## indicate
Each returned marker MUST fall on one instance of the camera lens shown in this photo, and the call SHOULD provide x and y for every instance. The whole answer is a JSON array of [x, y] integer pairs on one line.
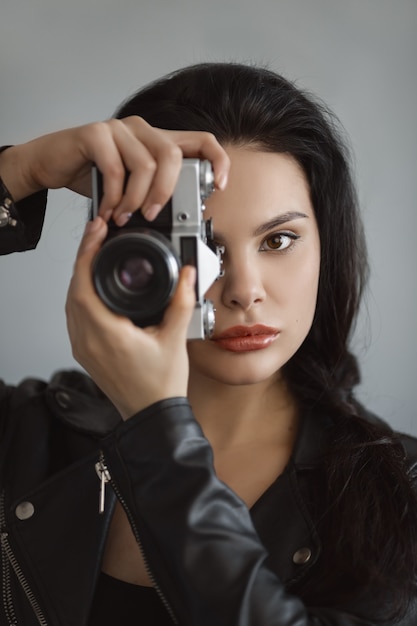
[[136, 273]]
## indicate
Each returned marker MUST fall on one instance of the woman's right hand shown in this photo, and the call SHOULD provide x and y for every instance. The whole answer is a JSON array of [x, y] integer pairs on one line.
[[135, 367], [151, 155]]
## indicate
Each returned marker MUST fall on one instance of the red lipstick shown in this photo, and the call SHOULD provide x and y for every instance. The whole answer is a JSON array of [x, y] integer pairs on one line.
[[246, 338]]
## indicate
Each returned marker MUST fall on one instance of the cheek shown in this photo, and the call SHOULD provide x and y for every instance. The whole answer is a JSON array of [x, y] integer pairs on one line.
[[305, 279], [295, 288], [304, 303]]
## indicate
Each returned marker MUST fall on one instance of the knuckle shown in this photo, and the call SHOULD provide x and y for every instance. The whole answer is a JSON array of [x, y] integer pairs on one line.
[[98, 129], [149, 165], [106, 129], [115, 170], [209, 139], [172, 152], [116, 127], [135, 122], [113, 123], [135, 119]]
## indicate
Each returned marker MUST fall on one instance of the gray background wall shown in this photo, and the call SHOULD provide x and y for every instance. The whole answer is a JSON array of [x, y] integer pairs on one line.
[[64, 64]]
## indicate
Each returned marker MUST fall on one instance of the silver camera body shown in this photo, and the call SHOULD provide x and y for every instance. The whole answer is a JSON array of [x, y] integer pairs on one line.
[[137, 269]]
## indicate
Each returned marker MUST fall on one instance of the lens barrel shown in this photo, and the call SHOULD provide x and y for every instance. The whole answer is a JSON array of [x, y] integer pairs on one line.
[[136, 273]]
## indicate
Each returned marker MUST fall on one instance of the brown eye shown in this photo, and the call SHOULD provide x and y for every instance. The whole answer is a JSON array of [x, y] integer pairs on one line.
[[278, 241]]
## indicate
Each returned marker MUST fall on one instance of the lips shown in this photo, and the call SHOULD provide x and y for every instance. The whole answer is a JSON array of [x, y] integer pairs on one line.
[[246, 338]]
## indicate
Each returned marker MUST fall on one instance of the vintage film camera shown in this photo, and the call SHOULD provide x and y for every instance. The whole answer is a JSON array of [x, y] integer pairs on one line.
[[137, 269]]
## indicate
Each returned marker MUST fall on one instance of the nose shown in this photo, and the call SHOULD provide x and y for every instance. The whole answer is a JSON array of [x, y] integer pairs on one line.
[[242, 285]]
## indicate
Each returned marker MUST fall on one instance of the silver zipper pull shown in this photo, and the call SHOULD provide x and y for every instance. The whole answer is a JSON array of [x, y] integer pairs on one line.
[[104, 476]]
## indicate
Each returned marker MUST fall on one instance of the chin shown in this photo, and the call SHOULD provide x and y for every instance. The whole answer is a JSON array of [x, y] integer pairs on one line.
[[248, 368]]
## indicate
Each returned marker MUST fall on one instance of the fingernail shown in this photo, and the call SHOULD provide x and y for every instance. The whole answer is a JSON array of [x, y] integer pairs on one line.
[[123, 219], [152, 211]]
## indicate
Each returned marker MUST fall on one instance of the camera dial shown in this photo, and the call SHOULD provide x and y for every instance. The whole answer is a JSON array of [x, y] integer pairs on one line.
[[206, 179]]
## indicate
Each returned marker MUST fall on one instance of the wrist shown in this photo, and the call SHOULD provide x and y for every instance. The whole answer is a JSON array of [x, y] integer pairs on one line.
[[12, 172], [128, 409], [169, 405]]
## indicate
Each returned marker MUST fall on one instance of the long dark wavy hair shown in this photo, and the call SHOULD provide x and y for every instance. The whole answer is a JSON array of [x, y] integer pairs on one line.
[[370, 525]]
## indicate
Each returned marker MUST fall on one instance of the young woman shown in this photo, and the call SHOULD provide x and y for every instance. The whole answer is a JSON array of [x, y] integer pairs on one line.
[[240, 481]]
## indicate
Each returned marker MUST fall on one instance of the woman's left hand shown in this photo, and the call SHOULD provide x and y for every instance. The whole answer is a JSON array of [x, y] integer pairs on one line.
[[134, 367]]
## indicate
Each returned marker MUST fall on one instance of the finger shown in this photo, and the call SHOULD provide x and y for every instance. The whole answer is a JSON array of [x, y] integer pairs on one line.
[[164, 165], [169, 159], [178, 315], [140, 165], [81, 286], [199, 144], [82, 301], [80, 289], [150, 185], [153, 157], [114, 150], [205, 146], [94, 235], [98, 146]]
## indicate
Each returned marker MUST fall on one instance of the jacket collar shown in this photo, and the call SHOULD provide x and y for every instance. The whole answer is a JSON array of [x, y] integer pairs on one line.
[[283, 509], [76, 400], [312, 440]]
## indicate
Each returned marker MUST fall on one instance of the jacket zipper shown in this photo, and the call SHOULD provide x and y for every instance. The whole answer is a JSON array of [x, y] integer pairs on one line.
[[8, 559], [105, 477]]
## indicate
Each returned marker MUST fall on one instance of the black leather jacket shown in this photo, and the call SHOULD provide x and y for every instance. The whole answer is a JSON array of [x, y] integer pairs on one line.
[[214, 563], [197, 535]]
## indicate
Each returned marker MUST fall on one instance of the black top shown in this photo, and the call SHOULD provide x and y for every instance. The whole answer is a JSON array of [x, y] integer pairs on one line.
[[117, 602]]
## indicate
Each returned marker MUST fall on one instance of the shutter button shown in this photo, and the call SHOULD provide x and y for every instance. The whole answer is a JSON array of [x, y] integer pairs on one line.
[[302, 556], [24, 510], [63, 399]]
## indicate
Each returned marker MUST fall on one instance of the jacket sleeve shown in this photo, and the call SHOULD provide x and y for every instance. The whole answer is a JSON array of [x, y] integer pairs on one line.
[[20, 223], [196, 534], [20, 229], [29, 216]]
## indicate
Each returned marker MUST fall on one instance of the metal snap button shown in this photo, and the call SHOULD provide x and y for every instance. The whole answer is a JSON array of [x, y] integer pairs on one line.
[[63, 399], [302, 556], [24, 510]]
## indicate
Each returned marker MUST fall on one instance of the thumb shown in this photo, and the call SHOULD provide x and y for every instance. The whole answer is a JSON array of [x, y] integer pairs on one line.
[[178, 314], [94, 235]]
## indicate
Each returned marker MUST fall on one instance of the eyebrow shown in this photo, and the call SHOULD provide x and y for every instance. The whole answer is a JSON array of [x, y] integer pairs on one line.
[[278, 221], [272, 223]]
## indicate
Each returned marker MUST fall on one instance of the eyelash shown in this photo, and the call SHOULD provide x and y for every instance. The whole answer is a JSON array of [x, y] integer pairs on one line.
[[292, 237]]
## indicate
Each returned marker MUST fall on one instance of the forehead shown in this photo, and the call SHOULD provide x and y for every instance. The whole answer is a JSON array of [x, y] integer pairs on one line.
[[261, 186]]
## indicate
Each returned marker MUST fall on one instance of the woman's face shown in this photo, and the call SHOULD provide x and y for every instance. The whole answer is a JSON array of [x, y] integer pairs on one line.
[[265, 301]]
